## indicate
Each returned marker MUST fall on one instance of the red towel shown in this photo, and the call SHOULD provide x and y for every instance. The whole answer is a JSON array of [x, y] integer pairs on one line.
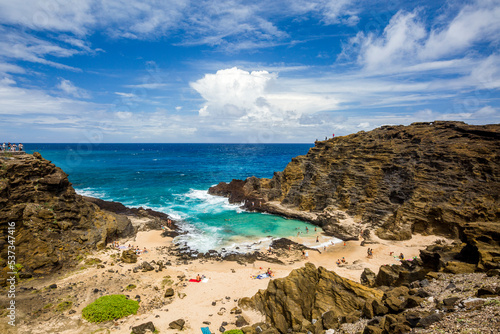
[[193, 280]]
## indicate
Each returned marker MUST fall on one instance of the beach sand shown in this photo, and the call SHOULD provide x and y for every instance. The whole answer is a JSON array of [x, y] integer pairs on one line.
[[193, 302]]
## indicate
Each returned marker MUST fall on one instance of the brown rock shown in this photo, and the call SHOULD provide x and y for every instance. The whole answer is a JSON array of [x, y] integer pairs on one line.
[[177, 324], [129, 256], [308, 293]]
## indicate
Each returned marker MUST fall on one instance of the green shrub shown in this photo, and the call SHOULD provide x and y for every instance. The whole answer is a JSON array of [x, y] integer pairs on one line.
[[234, 331], [64, 306], [110, 307]]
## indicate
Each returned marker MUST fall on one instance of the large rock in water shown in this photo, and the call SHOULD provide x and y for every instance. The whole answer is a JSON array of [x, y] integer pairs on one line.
[[52, 223], [429, 178], [299, 301]]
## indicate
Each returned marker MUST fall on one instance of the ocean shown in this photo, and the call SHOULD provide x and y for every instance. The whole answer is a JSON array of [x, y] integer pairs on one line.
[[174, 179]]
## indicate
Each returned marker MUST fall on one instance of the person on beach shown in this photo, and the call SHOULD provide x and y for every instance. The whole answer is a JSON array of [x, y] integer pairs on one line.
[[307, 230], [269, 272], [343, 259], [198, 278], [344, 244], [145, 250], [317, 239], [401, 256], [338, 262]]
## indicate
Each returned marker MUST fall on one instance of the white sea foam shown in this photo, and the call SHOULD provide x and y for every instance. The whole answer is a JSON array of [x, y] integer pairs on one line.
[[202, 202], [89, 192]]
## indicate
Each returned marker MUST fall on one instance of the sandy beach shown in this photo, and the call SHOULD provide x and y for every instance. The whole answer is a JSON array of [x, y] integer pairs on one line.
[[201, 304]]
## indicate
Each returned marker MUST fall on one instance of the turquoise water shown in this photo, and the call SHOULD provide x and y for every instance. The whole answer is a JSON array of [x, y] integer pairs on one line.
[[174, 179]]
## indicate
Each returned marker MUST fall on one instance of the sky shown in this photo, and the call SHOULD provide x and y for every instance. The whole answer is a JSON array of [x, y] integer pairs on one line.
[[231, 71]]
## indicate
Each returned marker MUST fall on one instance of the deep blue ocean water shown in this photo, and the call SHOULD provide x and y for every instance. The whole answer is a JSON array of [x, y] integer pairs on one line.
[[174, 179]]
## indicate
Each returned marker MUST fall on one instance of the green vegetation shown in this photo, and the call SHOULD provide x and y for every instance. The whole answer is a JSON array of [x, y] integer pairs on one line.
[[64, 306], [130, 287], [49, 305], [234, 331], [167, 281], [110, 307], [92, 261], [492, 302]]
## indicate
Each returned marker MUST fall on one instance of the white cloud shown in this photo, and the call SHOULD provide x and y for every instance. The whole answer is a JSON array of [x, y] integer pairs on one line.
[[70, 89], [256, 96], [407, 41], [19, 101], [148, 85], [21, 46]]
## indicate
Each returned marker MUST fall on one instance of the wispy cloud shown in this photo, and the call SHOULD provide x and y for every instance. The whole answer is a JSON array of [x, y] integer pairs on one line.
[[70, 89]]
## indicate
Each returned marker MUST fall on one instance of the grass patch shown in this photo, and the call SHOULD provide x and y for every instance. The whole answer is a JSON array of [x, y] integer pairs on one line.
[[49, 305], [110, 307], [130, 287], [64, 306], [92, 261], [492, 302], [167, 281], [234, 331]]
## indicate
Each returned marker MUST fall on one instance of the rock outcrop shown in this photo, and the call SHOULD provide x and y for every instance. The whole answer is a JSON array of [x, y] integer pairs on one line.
[[310, 299], [432, 178], [53, 224]]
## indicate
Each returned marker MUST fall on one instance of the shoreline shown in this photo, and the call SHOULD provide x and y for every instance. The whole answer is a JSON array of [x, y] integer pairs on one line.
[[192, 302]]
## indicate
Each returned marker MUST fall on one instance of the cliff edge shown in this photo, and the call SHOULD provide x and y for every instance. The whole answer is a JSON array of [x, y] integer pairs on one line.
[[51, 225], [431, 178]]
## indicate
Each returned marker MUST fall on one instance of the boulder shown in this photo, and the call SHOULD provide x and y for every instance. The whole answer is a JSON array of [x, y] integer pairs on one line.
[[146, 266], [429, 320], [169, 293], [129, 256], [177, 324], [241, 321], [368, 277], [142, 329]]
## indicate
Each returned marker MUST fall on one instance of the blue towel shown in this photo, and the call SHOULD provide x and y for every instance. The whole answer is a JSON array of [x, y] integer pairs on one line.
[[205, 330]]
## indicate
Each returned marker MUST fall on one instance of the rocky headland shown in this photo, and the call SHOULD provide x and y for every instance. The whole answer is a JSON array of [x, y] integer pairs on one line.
[[438, 178], [53, 225]]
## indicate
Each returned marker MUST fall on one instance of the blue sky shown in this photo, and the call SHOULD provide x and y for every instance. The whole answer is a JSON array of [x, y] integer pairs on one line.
[[242, 71]]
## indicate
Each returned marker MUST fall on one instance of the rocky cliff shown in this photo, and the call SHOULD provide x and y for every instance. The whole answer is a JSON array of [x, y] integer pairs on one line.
[[310, 299], [53, 224], [431, 178]]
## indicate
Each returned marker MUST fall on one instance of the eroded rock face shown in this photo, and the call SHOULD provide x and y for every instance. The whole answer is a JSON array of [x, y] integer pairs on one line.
[[299, 301], [427, 178], [52, 223]]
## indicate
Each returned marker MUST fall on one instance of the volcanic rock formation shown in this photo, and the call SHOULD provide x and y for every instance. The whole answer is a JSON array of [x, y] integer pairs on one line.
[[431, 178], [52, 224]]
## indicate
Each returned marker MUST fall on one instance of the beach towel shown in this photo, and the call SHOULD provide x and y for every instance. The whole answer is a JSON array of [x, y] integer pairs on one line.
[[205, 280], [194, 280], [261, 276], [123, 247], [205, 330]]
